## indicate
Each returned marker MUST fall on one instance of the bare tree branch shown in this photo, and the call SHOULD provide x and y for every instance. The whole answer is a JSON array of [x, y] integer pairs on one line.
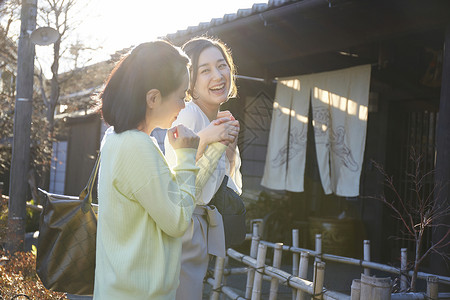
[[418, 212], [40, 77]]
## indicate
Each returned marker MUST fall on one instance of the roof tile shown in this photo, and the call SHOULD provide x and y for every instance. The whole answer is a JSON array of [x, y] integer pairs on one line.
[[241, 13]]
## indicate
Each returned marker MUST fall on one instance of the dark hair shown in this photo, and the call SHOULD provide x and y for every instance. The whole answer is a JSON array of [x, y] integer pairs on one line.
[[154, 65], [195, 47]]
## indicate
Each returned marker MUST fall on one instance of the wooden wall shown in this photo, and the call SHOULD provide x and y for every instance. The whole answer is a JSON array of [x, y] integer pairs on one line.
[[253, 109]]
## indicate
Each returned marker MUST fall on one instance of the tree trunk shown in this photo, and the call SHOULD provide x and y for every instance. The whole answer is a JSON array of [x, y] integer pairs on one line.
[[416, 264]]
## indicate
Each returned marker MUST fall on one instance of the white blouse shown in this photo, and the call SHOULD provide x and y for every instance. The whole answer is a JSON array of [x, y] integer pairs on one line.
[[195, 119]]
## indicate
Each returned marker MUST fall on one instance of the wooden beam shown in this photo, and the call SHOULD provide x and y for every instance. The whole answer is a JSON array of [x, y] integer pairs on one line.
[[443, 159]]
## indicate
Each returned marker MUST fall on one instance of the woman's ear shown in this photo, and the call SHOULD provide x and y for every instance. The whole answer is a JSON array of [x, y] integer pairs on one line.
[[194, 94], [152, 98]]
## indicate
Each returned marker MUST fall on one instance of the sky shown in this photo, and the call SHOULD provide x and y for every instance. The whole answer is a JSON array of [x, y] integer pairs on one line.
[[115, 24]]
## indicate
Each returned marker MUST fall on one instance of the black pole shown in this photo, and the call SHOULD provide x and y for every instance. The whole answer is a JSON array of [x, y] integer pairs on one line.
[[442, 176], [22, 129]]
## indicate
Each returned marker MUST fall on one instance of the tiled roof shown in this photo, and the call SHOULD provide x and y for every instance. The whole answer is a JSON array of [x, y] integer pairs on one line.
[[227, 18]]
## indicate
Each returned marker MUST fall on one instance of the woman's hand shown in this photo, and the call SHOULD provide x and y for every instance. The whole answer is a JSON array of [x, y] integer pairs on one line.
[[182, 137], [222, 130], [237, 129], [225, 114]]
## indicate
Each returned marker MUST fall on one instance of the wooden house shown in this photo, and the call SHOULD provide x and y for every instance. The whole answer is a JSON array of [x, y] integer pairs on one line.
[[409, 98]]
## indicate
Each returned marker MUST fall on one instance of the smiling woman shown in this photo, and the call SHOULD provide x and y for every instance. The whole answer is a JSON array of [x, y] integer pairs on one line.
[[212, 83]]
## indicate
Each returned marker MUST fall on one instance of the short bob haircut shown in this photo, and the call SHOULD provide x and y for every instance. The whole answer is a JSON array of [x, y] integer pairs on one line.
[[195, 47], [154, 65]]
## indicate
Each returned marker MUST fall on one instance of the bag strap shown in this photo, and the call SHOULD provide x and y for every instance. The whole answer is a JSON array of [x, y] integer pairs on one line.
[[224, 182], [222, 186], [86, 193]]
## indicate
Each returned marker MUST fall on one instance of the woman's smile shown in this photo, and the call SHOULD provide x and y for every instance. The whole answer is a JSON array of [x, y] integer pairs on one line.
[[218, 89]]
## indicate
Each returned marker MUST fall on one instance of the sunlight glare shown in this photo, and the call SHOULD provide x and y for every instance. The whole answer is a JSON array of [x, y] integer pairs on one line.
[[290, 112], [342, 103], [292, 83], [322, 95], [363, 112], [116, 25], [352, 107], [123, 25]]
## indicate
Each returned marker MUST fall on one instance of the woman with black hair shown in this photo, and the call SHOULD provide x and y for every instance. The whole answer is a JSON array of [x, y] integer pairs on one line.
[[144, 205]]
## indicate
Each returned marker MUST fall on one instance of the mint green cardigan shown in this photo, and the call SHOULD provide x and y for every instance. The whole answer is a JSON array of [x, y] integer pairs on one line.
[[144, 209]]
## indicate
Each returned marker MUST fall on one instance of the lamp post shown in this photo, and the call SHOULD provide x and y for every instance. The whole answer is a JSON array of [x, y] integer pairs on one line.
[[22, 129]]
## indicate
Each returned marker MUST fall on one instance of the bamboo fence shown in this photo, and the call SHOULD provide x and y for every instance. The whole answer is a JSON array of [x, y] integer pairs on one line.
[[257, 271]]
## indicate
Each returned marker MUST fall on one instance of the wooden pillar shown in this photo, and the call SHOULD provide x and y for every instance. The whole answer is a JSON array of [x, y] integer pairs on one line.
[[443, 156]]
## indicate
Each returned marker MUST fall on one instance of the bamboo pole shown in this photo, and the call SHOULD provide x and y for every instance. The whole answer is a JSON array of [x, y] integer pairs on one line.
[[235, 271], [295, 259], [318, 247], [227, 291], [295, 256], [441, 279], [417, 296], [359, 262], [403, 269], [302, 284], [303, 273], [366, 256], [288, 248], [224, 275], [285, 278], [318, 279], [257, 283], [408, 296], [255, 230], [251, 272], [246, 259], [356, 289], [373, 288], [432, 287], [381, 267], [218, 273], [276, 264]]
